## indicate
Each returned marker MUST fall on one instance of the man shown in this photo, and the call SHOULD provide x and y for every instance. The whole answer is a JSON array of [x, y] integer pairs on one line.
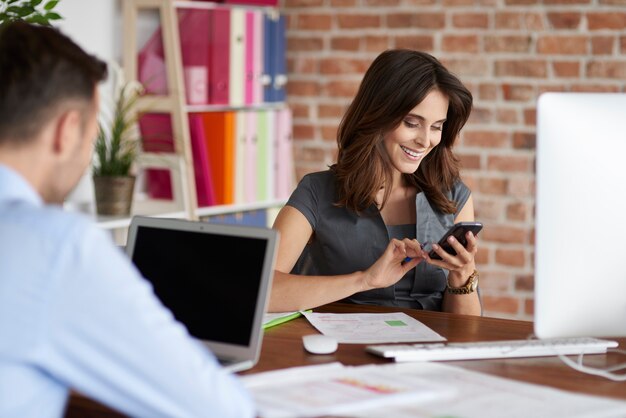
[[74, 313]]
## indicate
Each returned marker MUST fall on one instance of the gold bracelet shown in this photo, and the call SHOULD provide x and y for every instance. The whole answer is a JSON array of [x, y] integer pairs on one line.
[[467, 288]]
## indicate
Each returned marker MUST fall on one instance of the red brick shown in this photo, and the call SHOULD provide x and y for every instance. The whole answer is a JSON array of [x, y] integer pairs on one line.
[[612, 20], [519, 20], [305, 44], [420, 20], [481, 115], [525, 283], [419, 2], [510, 257], [519, 68], [469, 162], [530, 116], [458, 2], [567, 45], [507, 43], [417, 42], [343, 66], [504, 234], [470, 20], [341, 88], [564, 20], [303, 131], [343, 3], [344, 43], [606, 69], [329, 133], [529, 306], [492, 186], [622, 44], [356, 21], [501, 304], [494, 281], [524, 140], [467, 67], [507, 116], [292, 4], [299, 110], [488, 91], [602, 45], [303, 65], [567, 1], [377, 43], [314, 21], [485, 139], [330, 111], [517, 211], [488, 209], [303, 88], [509, 163], [566, 68], [385, 3], [600, 88], [518, 92], [547, 88], [520, 2], [521, 187], [460, 43]]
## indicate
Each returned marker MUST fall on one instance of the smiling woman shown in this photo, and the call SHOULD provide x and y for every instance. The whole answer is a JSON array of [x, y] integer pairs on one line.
[[346, 233]]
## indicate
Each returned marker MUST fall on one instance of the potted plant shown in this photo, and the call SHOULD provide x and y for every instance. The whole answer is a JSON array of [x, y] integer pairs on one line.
[[31, 11], [115, 151]]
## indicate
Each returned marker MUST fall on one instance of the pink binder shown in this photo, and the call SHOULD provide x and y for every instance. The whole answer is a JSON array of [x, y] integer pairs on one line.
[[249, 60], [201, 163], [257, 57], [250, 178], [219, 56], [283, 180]]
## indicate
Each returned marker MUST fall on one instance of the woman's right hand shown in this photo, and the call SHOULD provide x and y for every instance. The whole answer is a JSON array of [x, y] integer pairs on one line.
[[391, 266]]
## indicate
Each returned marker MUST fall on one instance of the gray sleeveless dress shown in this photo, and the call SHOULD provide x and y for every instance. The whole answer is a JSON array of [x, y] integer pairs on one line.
[[344, 242]]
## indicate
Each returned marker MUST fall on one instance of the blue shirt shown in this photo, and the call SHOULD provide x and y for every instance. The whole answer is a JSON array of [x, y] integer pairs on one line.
[[75, 313]]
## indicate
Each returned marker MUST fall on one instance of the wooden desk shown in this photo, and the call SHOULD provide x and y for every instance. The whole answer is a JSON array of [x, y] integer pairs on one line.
[[282, 347]]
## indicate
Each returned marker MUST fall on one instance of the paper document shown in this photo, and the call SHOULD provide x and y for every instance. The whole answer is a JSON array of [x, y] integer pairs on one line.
[[372, 328], [333, 389], [481, 395]]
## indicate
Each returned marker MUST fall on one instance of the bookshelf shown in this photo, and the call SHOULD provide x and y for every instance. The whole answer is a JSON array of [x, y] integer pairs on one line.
[[179, 162]]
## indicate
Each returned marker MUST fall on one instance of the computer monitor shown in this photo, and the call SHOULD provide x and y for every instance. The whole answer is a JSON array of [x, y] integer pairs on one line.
[[580, 251]]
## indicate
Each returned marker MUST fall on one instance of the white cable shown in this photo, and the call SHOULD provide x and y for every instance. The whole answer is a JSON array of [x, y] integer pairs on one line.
[[606, 373]]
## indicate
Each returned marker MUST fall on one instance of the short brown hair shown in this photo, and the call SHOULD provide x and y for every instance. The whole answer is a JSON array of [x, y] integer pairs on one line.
[[40, 69], [396, 82]]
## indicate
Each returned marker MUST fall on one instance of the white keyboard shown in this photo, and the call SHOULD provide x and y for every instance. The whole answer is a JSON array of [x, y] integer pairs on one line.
[[492, 349]]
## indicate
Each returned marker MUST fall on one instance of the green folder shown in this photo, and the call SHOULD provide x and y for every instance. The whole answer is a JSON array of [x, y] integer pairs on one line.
[[282, 319]]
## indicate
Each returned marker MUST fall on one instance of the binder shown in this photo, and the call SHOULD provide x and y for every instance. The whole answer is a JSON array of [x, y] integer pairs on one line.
[[219, 56], [240, 156], [284, 173], [156, 132], [269, 70], [270, 3], [250, 72], [194, 40], [250, 169], [257, 57], [237, 73], [265, 155], [219, 135], [279, 80]]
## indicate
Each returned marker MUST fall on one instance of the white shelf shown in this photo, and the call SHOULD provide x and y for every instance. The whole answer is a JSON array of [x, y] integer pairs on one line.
[[180, 4], [226, 108], [168, 209]]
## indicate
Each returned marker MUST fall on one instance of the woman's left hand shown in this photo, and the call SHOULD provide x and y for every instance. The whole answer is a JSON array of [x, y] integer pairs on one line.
[[461, 265]]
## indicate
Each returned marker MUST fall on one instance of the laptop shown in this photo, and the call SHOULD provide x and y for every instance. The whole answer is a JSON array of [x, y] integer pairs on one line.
[[214, 278]]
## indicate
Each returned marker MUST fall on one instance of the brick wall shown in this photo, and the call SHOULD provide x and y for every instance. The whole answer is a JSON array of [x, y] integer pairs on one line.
[[507, 52]]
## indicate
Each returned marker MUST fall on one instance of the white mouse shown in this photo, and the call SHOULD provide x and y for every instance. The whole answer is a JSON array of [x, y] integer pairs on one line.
[[319, 344]]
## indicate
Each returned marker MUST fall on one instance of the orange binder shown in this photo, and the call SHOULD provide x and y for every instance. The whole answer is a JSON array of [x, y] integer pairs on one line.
[[219, 131]]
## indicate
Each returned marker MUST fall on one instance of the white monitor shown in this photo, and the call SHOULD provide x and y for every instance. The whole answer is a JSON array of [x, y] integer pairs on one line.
[[580, 253]]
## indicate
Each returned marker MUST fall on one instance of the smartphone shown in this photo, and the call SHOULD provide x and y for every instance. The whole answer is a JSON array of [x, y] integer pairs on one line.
[[457, 230]]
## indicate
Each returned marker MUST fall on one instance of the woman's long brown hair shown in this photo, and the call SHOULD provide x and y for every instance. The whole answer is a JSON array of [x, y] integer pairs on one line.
[[396, 82]]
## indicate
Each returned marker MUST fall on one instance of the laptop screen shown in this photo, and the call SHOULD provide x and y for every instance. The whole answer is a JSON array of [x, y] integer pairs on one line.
[[209, 281]]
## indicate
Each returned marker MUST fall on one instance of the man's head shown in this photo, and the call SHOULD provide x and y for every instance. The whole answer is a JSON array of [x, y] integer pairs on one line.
[[48, 106]]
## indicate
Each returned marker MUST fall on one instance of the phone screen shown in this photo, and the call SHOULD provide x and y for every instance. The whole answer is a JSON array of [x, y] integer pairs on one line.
[[458, 231]]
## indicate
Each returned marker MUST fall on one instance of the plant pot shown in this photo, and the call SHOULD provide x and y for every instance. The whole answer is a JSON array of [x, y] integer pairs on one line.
[[114, 194]]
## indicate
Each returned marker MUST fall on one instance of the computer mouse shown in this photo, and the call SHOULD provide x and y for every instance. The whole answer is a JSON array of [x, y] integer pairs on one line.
[[319, 344]]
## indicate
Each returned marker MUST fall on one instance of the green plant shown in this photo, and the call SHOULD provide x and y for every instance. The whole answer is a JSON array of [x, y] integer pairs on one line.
[[31, 11], [116, 144]]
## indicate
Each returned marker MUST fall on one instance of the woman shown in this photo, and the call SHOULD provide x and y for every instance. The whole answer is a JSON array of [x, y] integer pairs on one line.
[[346, 232]]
